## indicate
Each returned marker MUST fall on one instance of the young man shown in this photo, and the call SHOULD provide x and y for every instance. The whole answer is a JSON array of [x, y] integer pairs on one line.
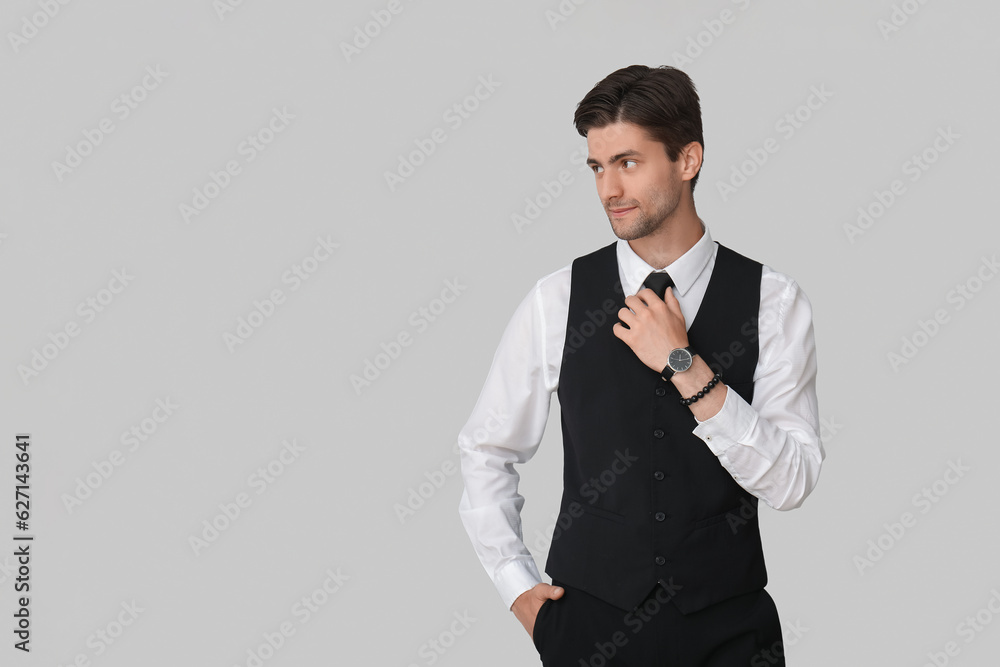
[[686, 377]]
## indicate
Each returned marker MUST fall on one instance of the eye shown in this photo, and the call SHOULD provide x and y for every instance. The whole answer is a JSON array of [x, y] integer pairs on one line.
[[597, 169], [632, 161]]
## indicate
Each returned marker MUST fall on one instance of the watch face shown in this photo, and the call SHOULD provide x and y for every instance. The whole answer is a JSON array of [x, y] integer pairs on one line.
[[679, 360]]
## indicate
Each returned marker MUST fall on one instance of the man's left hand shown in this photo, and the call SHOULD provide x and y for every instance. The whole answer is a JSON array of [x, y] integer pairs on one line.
[[654, 326]]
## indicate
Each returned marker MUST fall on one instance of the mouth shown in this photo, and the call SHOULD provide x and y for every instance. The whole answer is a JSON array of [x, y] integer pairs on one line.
[[619, 212]]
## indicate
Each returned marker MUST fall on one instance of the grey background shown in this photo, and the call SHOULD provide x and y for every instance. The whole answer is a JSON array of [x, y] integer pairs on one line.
[[888, 433]]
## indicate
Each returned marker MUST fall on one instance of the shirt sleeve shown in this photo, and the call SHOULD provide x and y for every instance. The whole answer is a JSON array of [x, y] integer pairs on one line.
[[505, 428], [773, 448]]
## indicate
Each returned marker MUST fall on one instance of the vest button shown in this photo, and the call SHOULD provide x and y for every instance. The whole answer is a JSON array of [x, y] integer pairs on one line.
[[660, 560], [658, 433], [660, 516], [658, 474], [660, 391]]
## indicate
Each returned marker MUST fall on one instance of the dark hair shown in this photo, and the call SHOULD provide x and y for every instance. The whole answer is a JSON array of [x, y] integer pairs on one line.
[[662, 100]]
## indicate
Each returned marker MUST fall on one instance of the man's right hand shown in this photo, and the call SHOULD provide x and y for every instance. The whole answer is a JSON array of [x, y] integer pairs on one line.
[[528, 603]]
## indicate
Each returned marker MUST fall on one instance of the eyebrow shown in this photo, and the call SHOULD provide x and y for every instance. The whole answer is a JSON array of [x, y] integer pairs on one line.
[[615, 158]]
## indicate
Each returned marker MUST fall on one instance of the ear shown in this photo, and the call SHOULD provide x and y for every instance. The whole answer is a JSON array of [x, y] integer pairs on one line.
[[690, 159]]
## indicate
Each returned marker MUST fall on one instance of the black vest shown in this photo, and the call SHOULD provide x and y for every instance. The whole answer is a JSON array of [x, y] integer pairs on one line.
[[645, 501]]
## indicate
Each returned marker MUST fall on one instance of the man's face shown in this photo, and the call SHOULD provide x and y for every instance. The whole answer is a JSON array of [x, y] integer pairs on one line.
[[637, 183]]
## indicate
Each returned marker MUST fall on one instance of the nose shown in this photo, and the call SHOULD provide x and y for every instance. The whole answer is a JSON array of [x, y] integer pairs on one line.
[[609, 187]]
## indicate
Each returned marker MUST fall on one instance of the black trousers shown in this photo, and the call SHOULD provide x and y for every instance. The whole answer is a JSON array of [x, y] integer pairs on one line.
[[580, 630]]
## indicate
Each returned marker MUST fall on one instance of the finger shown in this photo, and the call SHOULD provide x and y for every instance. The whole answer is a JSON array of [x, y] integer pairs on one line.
[[673, 306], [647, 296], [642, 296], [670, 299]]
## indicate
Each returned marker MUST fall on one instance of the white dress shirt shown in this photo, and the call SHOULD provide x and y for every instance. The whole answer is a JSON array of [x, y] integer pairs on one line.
[[771, 447]]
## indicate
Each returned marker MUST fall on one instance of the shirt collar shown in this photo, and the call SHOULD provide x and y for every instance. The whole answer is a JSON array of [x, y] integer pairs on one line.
[[684, 270]]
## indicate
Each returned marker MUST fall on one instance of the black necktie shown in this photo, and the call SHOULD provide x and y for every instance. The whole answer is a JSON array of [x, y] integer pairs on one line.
[[658, 281]]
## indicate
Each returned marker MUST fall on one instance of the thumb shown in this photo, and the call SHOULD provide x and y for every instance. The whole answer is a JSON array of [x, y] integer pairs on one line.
[[556, 592], [670, 299]]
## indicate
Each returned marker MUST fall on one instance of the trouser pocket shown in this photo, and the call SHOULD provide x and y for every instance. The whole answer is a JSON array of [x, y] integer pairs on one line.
[[539, 629]]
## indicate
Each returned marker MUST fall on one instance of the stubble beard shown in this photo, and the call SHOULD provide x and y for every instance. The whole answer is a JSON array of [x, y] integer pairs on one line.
[[663, 205]]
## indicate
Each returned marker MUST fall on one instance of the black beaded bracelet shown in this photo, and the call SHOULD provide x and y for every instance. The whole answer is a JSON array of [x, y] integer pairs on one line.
[[701, 394]]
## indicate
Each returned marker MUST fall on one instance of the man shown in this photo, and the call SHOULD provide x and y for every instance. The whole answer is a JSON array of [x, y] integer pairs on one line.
[[686, 381]]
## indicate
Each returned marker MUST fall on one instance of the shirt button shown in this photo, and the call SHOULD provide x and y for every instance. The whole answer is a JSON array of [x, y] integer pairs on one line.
[[660, 516], [658, 433], [660, 391], [658, 474], [708, 437], [660, 560]]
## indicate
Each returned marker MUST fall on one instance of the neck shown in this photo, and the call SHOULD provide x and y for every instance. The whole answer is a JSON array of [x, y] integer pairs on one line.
[[678, 233]]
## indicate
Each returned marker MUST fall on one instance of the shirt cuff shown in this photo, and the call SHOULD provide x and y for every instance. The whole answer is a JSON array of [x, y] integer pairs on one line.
[[730, 425], [516, 577]]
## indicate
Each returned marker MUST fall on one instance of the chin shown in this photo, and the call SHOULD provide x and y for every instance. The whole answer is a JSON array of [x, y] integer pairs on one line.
[[624, 232]]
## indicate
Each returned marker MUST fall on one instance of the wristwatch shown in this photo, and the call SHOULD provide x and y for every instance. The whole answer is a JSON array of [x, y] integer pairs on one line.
[[679, 360]]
